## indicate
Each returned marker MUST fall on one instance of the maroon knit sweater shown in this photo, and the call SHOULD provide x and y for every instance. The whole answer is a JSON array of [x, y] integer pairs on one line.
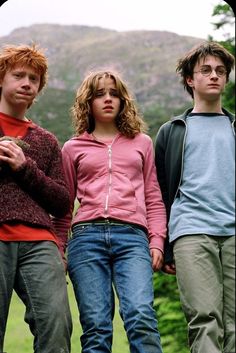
[[37, 190]]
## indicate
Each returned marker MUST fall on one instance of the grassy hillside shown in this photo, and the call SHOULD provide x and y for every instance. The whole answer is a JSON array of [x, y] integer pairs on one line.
[[146, 59]]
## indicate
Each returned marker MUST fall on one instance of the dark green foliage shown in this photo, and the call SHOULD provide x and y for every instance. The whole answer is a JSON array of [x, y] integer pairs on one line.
[[228, 99], [171, 321], [225, 17], [157, 115], [52, 111]]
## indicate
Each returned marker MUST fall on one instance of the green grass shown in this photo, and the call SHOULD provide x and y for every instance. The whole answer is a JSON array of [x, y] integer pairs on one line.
[[18, 338]]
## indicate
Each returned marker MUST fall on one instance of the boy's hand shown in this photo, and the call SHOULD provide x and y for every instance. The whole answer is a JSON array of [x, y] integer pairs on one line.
[[169, 268], [12, 154]]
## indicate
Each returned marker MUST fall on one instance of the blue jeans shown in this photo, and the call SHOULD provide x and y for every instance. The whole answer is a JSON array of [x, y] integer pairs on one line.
[[36, 272], [100, 256]]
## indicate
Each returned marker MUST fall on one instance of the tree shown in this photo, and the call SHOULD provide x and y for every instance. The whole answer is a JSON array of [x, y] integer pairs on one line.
[[225, 18]]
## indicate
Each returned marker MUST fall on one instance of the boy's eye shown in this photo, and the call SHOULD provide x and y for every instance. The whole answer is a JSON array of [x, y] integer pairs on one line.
[[34, 78], [205, 70]]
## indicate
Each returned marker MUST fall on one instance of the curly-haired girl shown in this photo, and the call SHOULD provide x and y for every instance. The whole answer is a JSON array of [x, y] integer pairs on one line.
[[119, 229]]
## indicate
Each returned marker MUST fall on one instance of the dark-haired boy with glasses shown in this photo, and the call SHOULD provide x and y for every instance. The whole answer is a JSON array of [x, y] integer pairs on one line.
[[195, 160]]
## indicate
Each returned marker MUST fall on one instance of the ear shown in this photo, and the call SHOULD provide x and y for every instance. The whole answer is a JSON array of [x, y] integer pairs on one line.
[[189, 81]]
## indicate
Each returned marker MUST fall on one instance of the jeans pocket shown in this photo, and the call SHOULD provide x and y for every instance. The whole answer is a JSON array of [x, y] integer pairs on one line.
[[137, 230], [78, 230]]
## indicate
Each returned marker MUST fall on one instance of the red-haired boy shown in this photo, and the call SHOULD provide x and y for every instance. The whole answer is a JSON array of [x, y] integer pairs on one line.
[[32, 188]]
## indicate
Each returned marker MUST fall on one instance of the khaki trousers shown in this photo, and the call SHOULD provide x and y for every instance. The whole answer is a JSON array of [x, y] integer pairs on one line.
[[205, 270]]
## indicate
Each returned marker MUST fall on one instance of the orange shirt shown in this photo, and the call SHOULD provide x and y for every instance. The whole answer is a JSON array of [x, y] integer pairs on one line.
[[16, 231]]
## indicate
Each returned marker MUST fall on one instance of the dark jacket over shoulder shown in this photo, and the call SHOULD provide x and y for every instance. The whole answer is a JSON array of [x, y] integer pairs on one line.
[[169, 149], [37, 190]]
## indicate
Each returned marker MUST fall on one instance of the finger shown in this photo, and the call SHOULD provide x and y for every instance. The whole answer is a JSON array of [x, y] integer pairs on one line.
[[169, 269]]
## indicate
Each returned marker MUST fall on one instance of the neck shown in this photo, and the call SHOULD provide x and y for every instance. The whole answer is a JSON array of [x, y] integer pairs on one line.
[[204, 106], [105, 132], [15, 112]]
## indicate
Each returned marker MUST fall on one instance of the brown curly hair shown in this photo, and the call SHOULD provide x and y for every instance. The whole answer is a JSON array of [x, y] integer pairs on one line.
[[129, 121]]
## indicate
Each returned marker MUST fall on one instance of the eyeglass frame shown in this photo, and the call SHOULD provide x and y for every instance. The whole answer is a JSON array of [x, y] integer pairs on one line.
[[211, 69]]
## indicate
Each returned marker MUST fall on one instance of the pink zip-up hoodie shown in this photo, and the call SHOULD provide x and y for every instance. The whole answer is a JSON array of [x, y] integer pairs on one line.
[[115, 181]]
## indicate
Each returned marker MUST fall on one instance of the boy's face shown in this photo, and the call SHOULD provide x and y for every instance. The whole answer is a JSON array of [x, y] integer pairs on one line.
[[209, 78], [19, 87]]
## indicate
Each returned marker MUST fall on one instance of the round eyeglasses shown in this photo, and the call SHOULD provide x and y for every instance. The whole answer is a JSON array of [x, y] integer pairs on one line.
[[206, 70]]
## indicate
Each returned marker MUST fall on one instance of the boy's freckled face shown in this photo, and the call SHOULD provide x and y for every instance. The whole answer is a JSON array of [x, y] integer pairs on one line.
[[19, 86]]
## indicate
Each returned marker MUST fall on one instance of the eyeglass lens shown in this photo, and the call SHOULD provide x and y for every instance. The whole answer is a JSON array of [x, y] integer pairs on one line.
[[207, 70]]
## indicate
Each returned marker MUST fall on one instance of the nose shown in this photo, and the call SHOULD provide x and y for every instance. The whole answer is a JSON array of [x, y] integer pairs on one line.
[[26, 82], [213, 74], [108, 97]]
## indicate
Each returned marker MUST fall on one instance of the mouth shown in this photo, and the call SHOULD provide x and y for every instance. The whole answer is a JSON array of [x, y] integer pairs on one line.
[[27, 94], [213, 86], [108, 107]]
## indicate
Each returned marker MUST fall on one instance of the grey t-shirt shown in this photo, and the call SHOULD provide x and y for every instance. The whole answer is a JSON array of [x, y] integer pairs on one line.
[[206, 198]]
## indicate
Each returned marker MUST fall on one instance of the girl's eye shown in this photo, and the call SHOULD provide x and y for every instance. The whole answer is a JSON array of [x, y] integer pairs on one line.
[[99, 93], [102, 93]]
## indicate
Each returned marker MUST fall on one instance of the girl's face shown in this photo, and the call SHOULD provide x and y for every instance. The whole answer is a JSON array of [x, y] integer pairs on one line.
[[105, 105]]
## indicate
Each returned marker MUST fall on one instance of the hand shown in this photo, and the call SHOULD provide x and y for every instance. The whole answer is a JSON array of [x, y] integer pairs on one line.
[[157, 259], [12, 154], [169, 268]]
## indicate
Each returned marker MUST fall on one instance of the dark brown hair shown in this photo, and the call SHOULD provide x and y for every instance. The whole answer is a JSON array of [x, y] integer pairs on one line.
[[186, 64]]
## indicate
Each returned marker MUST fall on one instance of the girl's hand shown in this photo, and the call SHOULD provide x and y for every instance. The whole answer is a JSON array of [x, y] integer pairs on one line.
[[157, 259]]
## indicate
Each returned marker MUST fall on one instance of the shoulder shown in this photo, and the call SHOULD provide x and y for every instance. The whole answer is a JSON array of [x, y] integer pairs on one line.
[[163, 131], [43, 138], [142, 137], [229, 114], [178, 120], [76, 141], [164, 127], [41, 132]]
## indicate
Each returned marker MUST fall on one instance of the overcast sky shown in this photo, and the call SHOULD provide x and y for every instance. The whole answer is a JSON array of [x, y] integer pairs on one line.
[[184, 17]]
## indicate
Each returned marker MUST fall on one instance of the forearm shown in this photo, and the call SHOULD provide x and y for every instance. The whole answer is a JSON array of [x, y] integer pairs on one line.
[[51, 194]]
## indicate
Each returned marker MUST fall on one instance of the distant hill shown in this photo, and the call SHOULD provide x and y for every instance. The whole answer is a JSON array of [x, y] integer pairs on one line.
[[146, 59]]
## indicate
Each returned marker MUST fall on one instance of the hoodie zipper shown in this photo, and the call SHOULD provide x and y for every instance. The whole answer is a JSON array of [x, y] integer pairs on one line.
[[109, 178], [109, 175]]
